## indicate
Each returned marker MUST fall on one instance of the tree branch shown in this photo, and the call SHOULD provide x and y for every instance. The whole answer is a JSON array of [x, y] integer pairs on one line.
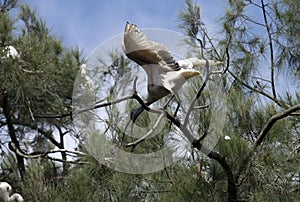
[[44, 154], [231, 186], [263, 134], [133, 144], [191, 107], [278, 102], [12, 133], [40, 130], [271, 122], [271, 48]]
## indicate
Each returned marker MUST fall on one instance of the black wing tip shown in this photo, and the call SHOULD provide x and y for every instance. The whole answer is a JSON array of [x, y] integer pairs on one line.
[[130, 27]]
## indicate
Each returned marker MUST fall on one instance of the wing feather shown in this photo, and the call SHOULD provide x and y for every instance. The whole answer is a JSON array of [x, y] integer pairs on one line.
[[143, 51]]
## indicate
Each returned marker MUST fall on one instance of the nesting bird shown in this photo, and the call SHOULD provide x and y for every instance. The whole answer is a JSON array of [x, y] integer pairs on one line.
[[165, 74], [5, 190]]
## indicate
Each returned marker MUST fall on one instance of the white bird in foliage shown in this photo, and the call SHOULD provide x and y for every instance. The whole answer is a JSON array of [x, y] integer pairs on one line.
[[5, 190], [165, 75], [10, 52]]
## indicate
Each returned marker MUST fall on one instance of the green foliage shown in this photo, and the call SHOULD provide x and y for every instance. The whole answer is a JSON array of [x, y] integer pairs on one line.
[[190, 19], [248, 109], [38, 85], [288, 37], [7, 26]]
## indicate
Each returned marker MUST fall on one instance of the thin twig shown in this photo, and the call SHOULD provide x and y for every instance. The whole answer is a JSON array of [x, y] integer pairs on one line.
[[262, 79], [253, 21], [210, 41], [201, 107], [79, 111], [97, 105], [44, 154], [294, 151], [278, 102], [133, 144], [271, 48], [134, 84], [191, 107]]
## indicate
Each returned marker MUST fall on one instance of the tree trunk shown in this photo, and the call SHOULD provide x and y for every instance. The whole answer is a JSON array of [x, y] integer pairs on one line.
[[12, 133]]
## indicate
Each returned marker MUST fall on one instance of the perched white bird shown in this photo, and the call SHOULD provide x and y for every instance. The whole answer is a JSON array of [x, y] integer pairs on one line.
[[165, 75], [88, 83], [10, 52], [16, 198], [5, 190]]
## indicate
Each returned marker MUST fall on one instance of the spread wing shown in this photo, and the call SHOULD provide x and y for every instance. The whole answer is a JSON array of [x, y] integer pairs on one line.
[[143, 51]]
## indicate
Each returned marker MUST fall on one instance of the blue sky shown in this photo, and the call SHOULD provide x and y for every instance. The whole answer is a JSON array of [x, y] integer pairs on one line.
[[86, 24]]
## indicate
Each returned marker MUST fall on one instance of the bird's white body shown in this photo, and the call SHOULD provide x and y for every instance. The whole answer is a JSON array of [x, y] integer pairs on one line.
[[16, 198], [174, 80], [10, 52], [5, 190], [165, 75]]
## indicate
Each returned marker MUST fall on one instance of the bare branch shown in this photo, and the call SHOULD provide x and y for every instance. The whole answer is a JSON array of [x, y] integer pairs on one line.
[[253, 21], [30, 71], [293, 152], [134, 84], [271, 48], [278, 102], [227, 60], [262, 79], [98, 105], [271, 122], [263, 134], [210, 41], [44, 154], [191, 107], [201, 107], [76, 112], [133, 144]]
